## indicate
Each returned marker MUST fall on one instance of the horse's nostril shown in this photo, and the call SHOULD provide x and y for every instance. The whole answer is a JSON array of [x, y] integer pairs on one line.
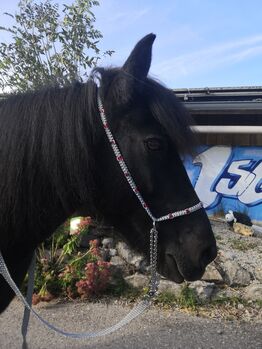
[[208, 255]]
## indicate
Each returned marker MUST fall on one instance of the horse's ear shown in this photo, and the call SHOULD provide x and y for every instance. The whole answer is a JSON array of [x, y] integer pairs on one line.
[[131, 76], [138, 63]]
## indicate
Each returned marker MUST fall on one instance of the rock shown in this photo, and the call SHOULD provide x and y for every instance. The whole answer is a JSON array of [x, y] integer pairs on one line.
[[117, 261], [235, 274], [107, 243], [172, 287], [129, 256], [224, 256], [112, 252], [258, 273], [204, 290], [144, 267], [257, 231], [226, 293], [137, 280], [108, 253], [212, 274], [105, 255], [253, 292]]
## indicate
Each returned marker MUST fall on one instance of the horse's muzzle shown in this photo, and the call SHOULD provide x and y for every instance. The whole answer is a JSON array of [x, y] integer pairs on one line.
[[177, 265]]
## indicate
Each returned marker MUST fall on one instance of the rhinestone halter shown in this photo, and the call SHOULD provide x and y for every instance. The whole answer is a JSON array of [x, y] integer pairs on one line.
[[153, 232]]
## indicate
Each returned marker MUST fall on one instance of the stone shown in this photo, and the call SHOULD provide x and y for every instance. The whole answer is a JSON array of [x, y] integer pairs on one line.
[[144, 267], [226, 293], [105, 253], [117, 261], [212, 274], [129, 256], [112, 252], [107, 243], [235, 274], [258, 273], [170, 286], [204, 290], [137, 280], [257, 231], [253, 292], [223, 256]]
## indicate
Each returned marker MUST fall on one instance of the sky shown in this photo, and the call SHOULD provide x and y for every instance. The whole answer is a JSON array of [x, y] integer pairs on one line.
[[200, 43]]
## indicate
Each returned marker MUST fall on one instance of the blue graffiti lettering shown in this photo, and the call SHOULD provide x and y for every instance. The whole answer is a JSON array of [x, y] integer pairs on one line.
[[222, 176]]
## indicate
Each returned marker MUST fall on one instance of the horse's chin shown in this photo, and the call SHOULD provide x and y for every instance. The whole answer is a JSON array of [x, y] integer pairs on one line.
[[170, 270]]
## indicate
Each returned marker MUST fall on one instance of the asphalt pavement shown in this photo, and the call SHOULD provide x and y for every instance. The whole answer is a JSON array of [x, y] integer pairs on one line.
[[155, 329]]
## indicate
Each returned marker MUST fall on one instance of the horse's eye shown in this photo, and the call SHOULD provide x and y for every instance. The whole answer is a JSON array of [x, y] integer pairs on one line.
[[154, 144]]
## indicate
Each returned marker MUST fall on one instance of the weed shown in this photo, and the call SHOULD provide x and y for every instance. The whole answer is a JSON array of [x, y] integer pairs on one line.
[[219, 238], [233, 301], [259, 303], [166, 299], [188, 298], [121, 289], [241, 245]]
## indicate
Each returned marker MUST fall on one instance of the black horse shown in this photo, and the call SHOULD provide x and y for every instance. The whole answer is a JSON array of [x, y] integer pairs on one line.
[[55, 159]]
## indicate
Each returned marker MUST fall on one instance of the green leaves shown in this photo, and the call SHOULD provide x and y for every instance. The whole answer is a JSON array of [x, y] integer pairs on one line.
[[49, 46]]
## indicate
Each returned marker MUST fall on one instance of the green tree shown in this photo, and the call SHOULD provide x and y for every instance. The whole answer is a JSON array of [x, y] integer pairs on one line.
[[49, 46]]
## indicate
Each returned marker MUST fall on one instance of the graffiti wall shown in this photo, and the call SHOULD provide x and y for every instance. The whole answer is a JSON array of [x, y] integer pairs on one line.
[[228, 178]]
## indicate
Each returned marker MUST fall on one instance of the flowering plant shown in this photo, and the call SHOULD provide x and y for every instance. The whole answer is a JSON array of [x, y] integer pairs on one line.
[[63, 268], [97, 274]]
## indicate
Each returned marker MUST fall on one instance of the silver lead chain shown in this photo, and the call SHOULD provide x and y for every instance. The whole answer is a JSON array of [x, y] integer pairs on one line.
[[154, 281]]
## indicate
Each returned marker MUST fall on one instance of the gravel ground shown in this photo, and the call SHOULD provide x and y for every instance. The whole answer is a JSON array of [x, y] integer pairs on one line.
[[154, 329], [250, 256]]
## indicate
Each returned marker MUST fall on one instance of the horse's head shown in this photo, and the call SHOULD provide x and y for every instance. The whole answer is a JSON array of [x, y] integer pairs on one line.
[[151, 129]]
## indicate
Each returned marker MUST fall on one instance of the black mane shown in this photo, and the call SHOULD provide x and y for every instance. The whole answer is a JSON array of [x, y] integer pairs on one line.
[[46, 137]]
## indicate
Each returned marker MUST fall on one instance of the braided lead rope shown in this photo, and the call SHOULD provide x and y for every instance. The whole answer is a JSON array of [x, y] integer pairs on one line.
[[136, 311], [29, 296]]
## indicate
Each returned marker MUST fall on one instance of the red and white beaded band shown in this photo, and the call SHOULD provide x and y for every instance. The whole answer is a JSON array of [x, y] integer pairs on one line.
[[129, 177]]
